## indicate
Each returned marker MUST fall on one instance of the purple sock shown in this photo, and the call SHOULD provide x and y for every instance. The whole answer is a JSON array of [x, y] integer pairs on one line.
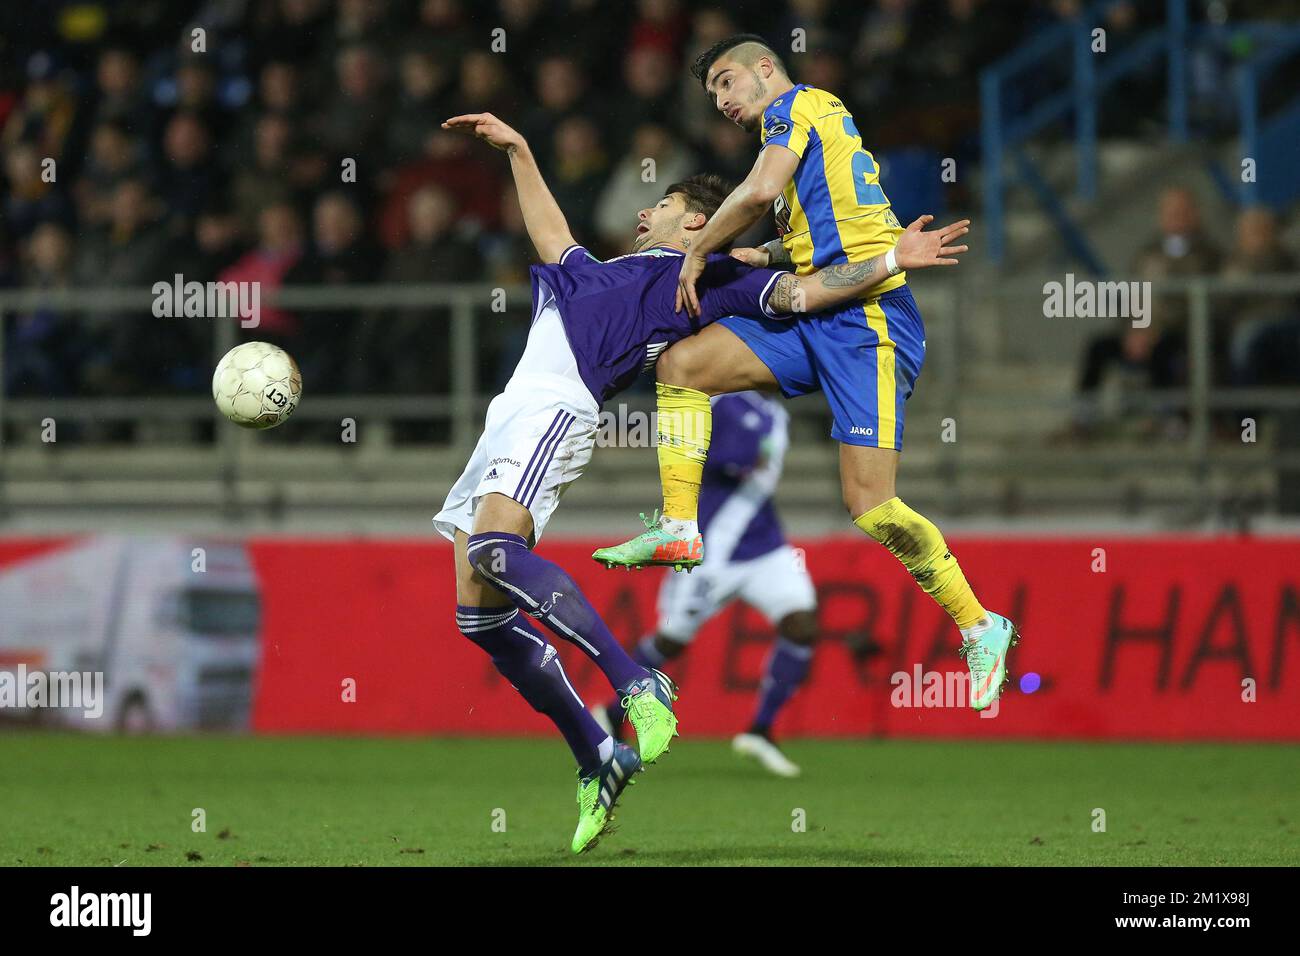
[[647, 655], [524, 658], [544, 590], [787, 666]]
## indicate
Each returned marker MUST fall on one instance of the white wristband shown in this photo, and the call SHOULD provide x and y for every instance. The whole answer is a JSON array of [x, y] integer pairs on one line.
[[891, 263]]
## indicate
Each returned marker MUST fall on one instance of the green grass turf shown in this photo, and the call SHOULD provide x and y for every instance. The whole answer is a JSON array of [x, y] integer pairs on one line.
[[73, 800]]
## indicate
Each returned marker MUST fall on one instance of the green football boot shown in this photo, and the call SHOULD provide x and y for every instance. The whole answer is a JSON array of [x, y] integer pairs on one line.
[[985, 651], [648, 703], [655, 547], [598, 793]]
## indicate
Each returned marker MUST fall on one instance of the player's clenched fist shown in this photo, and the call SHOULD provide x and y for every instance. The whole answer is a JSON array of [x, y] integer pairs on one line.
[[487, 128]]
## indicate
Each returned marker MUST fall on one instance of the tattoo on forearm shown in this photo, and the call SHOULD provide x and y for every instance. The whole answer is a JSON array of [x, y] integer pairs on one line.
[[776, 253], [788, 294], [785, 294], [848, 273]]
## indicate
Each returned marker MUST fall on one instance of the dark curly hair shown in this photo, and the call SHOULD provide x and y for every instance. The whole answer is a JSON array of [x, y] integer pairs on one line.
[[703, 192], [700, 68]]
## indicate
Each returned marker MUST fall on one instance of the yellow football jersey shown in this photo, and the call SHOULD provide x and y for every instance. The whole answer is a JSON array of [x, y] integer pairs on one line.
[[833, 210]]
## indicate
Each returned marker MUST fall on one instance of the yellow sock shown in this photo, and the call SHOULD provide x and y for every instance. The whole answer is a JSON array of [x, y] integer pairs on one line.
[[915, 541], [685, 429]]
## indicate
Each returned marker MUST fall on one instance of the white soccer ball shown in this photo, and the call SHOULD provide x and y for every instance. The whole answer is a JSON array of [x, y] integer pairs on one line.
[[257, 385]]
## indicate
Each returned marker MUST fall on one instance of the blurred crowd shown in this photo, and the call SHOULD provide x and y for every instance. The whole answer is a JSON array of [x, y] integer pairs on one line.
[[133, 150], [1255, 335]]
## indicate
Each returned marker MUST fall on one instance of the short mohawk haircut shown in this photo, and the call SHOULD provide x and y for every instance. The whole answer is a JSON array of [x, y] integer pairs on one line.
[[703, 192], [700, 69]]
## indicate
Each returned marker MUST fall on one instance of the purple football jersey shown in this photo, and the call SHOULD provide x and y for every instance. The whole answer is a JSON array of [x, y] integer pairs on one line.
[[619, 316], [737, 516]]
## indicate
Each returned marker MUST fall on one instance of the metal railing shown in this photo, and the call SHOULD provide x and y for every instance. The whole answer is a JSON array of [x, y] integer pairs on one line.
[[1004, 136], [953, 309]]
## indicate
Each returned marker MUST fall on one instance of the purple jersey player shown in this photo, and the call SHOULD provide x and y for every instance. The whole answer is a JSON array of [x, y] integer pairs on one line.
[[748, 560], [595, 325]]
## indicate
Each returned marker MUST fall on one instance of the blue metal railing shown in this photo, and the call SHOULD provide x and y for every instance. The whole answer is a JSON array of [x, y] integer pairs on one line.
[[1090, 76], [1276, 140], [1089, 79]]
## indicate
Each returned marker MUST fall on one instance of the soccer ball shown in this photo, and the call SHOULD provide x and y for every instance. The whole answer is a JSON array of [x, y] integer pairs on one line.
[[257, 385]]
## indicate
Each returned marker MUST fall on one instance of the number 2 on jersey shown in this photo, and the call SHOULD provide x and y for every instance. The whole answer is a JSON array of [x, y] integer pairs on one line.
[[869, 194]]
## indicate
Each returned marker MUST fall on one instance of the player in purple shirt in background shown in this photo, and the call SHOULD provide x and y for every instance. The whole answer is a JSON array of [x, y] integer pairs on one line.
[[595, 326], [748, 559]]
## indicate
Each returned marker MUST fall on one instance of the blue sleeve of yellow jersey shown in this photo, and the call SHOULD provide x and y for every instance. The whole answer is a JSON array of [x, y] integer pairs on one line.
[[788, 122]]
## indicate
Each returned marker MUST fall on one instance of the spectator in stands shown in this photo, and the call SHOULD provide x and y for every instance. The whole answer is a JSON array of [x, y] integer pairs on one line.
[[1154, 356], [278, 249], [579, 166], [506, 254], [435, 252], [446, 161], [731, 151], [32, 198], [821, 26], [528, 26], [193, 90], [421, 105], [882, 45], [697, 114], [442, 31], [42, 346], [130, 248], [355, 122], [125, 353], [656, 160], [650, 77], [280, 88], [659, 25], [215, 244], [484, 85], [340, 253], [121, 95], [47, 114], [190, 177], [1264, 329], [267, 180], [560, 90], [114, 157], [413, 340]]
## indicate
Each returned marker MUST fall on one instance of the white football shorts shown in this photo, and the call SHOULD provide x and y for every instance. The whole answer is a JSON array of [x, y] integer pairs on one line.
[[774, 584], [538, 436]]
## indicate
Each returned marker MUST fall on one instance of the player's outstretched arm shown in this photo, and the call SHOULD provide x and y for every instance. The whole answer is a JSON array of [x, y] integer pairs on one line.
[[837, 284], [547, 227]]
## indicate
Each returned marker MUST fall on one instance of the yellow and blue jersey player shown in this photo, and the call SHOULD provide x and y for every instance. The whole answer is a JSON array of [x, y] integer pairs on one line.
[[830, 209]]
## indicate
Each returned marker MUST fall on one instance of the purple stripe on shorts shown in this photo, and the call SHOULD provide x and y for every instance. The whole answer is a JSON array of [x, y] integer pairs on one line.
[[526, 477], [550, 453]]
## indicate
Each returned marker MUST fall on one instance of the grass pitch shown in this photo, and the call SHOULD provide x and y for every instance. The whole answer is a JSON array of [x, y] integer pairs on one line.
[[79, 800]]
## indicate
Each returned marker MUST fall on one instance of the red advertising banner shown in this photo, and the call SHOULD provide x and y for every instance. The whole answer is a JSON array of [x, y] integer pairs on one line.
[[1175, 638], [1157, 638]]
